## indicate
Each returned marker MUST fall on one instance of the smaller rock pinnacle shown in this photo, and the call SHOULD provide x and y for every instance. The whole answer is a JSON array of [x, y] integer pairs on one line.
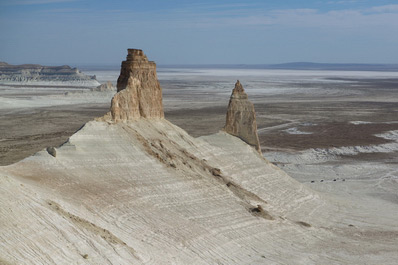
[[241, 117]]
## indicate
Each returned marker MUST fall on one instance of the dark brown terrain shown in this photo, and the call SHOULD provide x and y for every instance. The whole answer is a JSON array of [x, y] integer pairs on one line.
[[328, 118]]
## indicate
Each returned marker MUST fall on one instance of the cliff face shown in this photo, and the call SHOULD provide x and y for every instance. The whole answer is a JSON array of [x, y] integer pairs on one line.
[[140, 94], [39, 73], [125, 104], [241, 117]]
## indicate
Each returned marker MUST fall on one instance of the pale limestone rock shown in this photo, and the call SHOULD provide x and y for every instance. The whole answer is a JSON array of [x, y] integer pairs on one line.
[[241, 117], [114, 195], [108, 86], [145, 100], [125, 104]]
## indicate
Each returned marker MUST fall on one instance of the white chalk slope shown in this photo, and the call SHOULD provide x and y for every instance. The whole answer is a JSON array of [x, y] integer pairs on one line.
[[147, 193]]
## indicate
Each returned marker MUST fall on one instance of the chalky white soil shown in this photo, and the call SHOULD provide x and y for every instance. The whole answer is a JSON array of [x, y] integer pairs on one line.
[[148, 193]]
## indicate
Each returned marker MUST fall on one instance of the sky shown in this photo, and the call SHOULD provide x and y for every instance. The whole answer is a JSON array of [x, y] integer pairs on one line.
[[98, 32]]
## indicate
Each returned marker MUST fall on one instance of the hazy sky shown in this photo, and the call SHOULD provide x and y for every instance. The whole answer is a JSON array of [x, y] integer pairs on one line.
[[83, 32]]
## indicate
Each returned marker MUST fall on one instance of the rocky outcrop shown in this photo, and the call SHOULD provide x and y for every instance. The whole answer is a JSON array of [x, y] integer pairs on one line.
[[106, 87], [139, 92], [34, 73], [125, 104], [241, 117], [52, 151]]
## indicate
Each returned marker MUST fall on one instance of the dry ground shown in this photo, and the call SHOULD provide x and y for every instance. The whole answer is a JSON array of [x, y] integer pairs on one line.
[[26, 131]]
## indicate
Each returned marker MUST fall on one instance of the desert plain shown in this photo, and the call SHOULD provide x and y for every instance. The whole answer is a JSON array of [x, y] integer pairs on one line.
[[336, 132]]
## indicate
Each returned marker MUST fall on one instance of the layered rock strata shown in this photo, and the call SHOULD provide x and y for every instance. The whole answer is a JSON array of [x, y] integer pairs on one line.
[[241, 117], [125, 104], [139, 92], [34, 73]]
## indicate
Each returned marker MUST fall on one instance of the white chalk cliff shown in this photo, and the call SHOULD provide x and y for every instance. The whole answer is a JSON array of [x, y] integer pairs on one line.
[[34, 74], [132, 188]]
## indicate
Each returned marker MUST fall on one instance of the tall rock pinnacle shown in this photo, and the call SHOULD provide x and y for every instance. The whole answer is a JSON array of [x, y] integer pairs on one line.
[[139, 92], [241, 117]]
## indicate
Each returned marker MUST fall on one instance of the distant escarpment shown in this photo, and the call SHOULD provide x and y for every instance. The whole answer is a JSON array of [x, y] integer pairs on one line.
[[241, 117], [34, 74], [139, 92]]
